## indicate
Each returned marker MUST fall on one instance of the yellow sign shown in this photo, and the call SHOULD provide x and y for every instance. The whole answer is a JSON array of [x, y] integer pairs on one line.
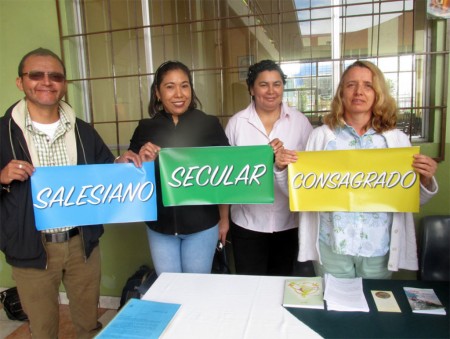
[[369, 180]]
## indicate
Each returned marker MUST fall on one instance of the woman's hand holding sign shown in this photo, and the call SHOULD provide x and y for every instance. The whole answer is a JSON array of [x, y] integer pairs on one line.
[[426, 167], [277, 145], [149, 152], [285, 157], [129, 156]]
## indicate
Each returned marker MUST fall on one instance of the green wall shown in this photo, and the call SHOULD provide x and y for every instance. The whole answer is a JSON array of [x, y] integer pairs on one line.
[[24, 25], [28, 24]]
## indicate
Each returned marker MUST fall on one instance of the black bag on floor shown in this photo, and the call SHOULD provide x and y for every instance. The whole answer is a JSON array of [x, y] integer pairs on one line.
[[11, 304], [137, 284]]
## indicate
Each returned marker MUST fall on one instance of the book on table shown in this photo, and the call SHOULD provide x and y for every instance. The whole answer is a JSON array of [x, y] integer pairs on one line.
[[305, 292], [424, 300]]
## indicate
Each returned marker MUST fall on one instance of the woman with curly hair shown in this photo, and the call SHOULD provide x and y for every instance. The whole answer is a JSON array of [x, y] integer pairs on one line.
[[264, 236], [361, 244]]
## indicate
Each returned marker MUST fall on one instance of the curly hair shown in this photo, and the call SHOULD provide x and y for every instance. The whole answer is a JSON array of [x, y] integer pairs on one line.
[[155, 106], [263, 65], [384, 109]]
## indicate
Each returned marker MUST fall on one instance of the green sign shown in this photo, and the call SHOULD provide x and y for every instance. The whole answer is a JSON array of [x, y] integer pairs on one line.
[[217, 175]]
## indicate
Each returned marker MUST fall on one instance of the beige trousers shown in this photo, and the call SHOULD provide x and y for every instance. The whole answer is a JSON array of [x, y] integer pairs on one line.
[[39, 289]]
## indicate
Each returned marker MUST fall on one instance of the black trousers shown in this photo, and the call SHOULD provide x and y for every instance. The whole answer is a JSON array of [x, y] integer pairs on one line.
[[258, 253]]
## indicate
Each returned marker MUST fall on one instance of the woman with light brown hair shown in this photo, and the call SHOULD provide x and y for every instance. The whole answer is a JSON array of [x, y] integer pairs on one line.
[[361, 244], [384, 110]]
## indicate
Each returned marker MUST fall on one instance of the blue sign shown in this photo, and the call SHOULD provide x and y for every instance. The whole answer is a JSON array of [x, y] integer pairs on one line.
[[93, 194]]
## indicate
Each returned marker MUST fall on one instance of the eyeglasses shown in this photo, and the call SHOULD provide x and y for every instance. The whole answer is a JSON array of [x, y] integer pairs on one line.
[[38, 75]]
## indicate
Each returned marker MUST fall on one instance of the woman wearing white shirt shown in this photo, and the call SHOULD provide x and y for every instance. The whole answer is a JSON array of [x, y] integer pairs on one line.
[[264, 237], [361, 244]]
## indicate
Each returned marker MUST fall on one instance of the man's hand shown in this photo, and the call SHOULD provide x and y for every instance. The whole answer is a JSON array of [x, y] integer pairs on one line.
[[16, 170]]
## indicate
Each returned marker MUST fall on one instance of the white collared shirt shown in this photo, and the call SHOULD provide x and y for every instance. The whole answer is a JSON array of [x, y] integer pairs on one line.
[[245, 128]]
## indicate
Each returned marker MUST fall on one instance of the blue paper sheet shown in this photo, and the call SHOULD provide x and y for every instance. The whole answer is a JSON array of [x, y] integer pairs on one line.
[[140, 319]]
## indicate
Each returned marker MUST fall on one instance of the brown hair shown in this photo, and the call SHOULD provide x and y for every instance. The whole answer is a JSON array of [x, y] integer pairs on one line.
[[384, 109]]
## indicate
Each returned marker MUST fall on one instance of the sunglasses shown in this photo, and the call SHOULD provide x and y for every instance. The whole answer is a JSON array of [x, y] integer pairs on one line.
[[38, 75]]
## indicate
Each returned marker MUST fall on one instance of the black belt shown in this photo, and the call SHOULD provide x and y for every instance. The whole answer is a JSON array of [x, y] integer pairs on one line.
[[61, 236]]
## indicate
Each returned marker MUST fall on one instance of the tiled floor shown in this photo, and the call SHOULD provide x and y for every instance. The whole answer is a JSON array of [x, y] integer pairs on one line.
[[10, 329]]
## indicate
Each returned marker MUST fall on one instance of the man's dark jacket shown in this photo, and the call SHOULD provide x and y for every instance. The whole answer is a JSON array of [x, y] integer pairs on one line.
[[19, 240]]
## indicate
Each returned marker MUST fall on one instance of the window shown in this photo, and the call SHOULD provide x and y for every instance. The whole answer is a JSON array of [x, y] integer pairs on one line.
[[112, 48]]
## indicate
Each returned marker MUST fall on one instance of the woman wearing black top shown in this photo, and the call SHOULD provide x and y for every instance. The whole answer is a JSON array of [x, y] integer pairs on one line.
[[183, 238]]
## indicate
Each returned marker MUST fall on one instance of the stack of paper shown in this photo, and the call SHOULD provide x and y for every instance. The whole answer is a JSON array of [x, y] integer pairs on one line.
[[345, 294]]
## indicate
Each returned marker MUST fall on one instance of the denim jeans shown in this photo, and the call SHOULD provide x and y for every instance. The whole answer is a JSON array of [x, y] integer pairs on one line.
[[183, 253]]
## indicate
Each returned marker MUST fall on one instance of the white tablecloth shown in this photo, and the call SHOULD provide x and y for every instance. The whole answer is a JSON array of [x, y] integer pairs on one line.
[[227, 306]]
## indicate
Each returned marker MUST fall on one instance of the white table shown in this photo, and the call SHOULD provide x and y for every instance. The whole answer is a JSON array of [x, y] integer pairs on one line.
[[227, 307]]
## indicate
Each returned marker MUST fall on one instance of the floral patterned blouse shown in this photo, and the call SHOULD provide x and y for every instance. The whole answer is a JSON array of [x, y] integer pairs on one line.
[[363, 234]]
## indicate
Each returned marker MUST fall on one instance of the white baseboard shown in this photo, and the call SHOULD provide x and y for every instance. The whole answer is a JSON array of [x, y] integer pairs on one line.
[[105, 301]]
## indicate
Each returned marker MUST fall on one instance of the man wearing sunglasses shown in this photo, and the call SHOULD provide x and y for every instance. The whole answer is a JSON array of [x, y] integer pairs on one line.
[[42, 130]]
